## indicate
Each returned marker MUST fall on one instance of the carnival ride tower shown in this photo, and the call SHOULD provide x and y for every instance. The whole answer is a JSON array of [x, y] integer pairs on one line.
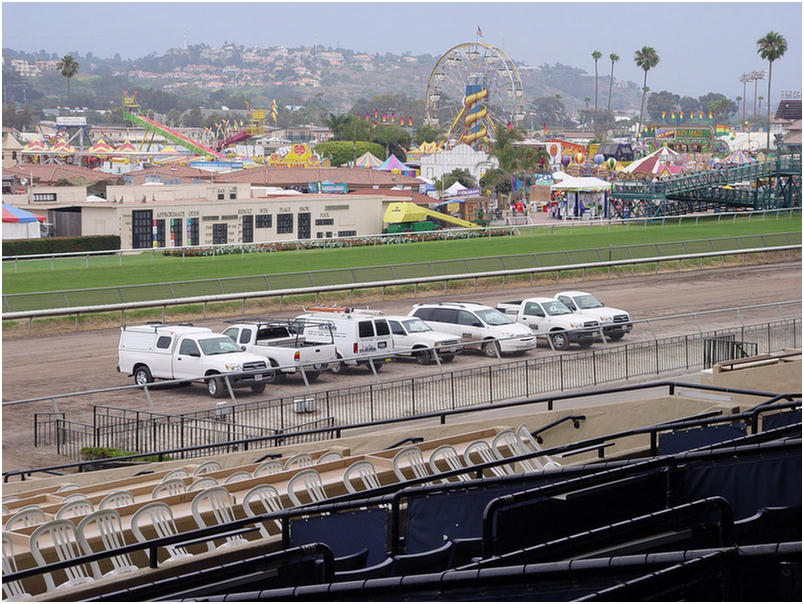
[[472, 87]]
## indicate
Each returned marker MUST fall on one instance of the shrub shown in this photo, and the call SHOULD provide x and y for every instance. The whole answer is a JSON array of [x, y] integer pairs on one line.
[[92, 453], [58, 245]]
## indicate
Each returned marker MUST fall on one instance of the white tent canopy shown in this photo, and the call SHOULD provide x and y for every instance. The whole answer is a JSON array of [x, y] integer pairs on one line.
[[565, 182]]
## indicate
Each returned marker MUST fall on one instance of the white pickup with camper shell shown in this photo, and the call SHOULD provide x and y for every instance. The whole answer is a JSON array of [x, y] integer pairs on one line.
[[551, 319], [184, 352], [615, 322], [285, 347]]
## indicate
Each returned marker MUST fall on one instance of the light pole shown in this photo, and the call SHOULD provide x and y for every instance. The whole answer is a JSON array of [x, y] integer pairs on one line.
[[756, 76]]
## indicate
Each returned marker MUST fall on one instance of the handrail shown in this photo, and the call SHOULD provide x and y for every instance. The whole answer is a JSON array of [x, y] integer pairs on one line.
[[549, 400], [100, 308], [575, 419]]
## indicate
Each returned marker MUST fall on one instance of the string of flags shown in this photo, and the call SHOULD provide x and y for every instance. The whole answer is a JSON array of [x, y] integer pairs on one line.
[[389, 118]]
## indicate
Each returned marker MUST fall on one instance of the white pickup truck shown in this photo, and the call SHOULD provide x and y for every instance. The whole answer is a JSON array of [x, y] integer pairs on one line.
[[550, 318], [184, 352], [284, 347], [616, 323], [414, 337]]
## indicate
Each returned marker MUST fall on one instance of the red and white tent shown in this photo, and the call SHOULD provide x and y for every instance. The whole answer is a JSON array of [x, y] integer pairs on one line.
[[653, 162], [20, 224]]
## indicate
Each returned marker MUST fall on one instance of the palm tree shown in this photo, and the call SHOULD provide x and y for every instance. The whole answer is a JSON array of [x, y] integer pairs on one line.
[[771, 47], [68, 67], [614, 58], [596, 54], [646, 58]]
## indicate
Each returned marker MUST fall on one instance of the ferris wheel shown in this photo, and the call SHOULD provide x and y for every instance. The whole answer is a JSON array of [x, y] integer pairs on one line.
[[472, 87]]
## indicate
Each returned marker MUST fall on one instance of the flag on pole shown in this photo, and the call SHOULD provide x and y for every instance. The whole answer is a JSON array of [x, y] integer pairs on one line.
[[479, 32]]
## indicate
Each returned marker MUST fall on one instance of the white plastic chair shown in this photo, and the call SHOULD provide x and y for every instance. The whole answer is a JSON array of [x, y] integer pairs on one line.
[[110, 533], [61, 535], [311, 481], [234, 477], [269, 497], [364, 470], [412, 456], [300, 460], [482, 449], [221, 503], [13, 591], [271, 466], [525, 435], [166, 488], [159, 516], [178, 473], [512, 442], [116, 499], [67, 487], [30, 515], [202, 483], [6, 510], [73, 497], [10, 499], [75, 508], [207, 467], [330, 456], [450, 456]]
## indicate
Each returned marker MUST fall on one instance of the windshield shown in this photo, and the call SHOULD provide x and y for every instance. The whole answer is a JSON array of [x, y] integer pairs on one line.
[[219, 345], [556, 308], [492, 316], [416, 326], [588, 301]]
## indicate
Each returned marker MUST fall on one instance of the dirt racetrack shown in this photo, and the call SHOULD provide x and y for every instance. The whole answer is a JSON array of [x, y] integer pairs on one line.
[[46, 365]]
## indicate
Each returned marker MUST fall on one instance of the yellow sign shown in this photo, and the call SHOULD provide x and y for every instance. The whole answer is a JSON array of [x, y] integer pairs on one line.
[[298, 155]]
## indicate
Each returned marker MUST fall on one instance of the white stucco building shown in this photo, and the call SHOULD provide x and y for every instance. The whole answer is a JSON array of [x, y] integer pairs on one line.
[[463, 157]]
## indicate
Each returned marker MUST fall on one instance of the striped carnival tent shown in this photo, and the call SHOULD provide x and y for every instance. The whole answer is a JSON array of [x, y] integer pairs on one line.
[[20, 224]]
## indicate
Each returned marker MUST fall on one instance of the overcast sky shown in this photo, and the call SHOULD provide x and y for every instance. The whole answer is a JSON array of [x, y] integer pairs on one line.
[[702, 47]]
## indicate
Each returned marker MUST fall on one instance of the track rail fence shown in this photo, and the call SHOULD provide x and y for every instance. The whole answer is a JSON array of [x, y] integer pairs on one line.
[[145, 432], [360, 276]]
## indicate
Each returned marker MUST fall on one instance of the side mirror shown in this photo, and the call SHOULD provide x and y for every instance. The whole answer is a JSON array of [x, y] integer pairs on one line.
[[477, 324], [195, 353], [243, 348]]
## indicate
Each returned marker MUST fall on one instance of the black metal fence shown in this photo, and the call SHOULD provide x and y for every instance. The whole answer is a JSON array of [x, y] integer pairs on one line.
[[146, 432], [278, 419]]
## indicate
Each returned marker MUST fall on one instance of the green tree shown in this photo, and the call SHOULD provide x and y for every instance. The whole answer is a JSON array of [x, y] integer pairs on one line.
[[720, 108], [646, 58], [549, 110], [68, 67], [427, 133], [596, 54], [339, 125], [193, 118], [460, 175], [393, 138], [614, 58], [512, 160], [771, 47], [342, 152]]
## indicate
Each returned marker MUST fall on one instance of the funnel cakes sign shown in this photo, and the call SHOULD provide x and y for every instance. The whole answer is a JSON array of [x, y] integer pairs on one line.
[[298, 155]]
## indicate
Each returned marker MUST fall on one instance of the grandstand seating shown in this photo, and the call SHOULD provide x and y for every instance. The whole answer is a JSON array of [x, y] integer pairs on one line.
[[481, 500]]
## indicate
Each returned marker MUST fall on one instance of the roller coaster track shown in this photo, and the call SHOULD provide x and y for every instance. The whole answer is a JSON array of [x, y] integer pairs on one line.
[[776, 183]]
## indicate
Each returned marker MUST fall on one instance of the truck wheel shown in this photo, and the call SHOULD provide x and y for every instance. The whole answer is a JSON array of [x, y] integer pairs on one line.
[[142, 376], [377, 365], [616, 336], [216, 387], [273, 375], [447, 358], [423, 356], [560, 340], [491, 349], [585, 343], [311, 375], [338, 368], [258, 388]]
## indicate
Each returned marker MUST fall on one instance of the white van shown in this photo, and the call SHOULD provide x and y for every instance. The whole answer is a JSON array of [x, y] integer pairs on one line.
[[485, 327], [359, 335]]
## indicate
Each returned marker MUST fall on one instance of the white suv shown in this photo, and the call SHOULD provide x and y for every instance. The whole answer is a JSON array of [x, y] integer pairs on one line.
[[413, 336], [478, 325]]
